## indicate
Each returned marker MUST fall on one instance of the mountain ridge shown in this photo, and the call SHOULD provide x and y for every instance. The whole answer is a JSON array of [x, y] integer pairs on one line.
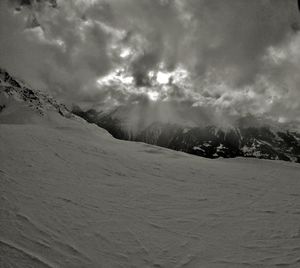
[[244, 140], [20, 103]]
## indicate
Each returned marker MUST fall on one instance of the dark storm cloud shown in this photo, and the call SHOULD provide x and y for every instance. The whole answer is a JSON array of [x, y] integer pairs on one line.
[[241, 55], [232, 36], [63, 55]]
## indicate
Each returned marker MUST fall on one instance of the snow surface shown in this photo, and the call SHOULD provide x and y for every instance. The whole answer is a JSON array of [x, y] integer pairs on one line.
[[73, 196]]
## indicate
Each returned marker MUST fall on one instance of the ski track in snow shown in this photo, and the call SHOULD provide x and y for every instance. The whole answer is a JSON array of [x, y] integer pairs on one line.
[[75, 197]]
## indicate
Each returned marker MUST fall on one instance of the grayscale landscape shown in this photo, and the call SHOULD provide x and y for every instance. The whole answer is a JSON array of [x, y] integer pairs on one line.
[[144, 133]]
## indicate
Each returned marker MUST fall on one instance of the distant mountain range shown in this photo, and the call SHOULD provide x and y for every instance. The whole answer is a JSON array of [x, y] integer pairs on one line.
[[249, 138], [258, 140]]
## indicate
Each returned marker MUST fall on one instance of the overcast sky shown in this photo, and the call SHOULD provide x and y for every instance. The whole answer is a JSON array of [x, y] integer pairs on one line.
[[230, 57]]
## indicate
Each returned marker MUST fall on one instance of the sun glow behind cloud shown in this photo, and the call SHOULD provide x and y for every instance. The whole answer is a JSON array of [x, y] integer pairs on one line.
[[165, 51], [161, 83], [153, 95], [163, 78]]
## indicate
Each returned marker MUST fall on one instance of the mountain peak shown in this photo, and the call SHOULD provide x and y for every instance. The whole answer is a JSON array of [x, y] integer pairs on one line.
[[19, 103]]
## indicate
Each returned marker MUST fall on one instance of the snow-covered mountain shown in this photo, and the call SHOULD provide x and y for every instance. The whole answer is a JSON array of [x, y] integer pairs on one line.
[[73, 196], [21, 104], [249, 137]]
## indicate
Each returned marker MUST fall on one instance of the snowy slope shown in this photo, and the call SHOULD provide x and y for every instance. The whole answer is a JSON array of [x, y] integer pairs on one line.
[[73, 196]]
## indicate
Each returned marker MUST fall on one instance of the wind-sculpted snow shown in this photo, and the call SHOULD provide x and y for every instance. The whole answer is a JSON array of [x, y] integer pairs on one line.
[[73, 196], [76, 197]]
